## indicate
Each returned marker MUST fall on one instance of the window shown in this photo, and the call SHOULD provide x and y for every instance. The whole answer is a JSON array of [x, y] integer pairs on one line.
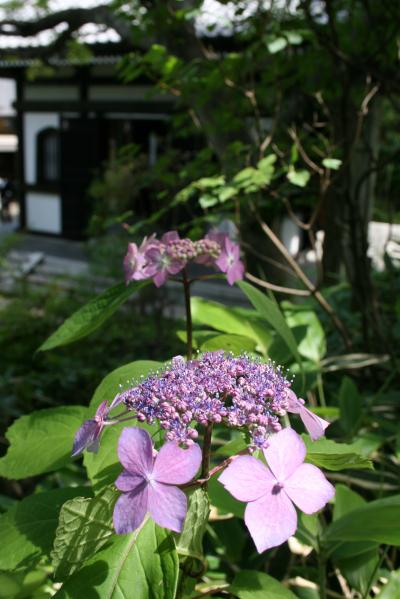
[[48, 156]]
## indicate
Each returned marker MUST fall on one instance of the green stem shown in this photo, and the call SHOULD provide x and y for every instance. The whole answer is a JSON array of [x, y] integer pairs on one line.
[[189, 326], [205, 462], [322, 575]]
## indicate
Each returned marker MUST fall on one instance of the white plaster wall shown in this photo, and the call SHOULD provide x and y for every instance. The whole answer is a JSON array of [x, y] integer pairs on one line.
[[43, 212], [33, 123]]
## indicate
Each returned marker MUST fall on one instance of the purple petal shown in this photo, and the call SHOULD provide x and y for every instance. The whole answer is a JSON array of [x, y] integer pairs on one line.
[[135, 451], [167, 506], [160, 277], [175, 266], [170, 236], [285, 453], [130, 510], [247, 479], [314, 424], [222, 262], [271, 520], [85, 436], [309, 489], [235, 273], [128, 482], [176, 466], [102, 410], [295, 405]]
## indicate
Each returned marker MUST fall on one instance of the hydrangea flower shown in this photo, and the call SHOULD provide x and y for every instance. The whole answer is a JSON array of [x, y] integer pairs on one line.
[[314, 424], [159, 259], [239, 391], [272, 491], [149, 481], [88, 435]]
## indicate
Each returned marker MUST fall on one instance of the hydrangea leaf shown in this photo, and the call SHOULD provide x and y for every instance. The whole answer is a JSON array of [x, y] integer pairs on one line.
[[237, 344], [85, 525], [269, 310], [143, 564], [327, 454], [250, 584], [92, 315], [377, 521], [190, 541], [41, 442], [27, 529], [222, 500]]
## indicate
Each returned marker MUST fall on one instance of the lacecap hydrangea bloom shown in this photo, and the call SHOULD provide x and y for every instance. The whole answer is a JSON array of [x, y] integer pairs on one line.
[[216, 388], [160, 259]]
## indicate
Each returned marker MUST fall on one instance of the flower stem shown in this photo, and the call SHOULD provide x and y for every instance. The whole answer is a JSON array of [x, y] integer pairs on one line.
[[189, 326], [205, 462]]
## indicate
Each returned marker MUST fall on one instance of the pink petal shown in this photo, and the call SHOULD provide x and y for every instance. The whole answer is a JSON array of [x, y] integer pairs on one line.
[[285, 453], [235, 273], [271, 520], [160, 277], [170, 236], [135, 451], [128, 482], [130, 510], [295, 405], [309, 489], [222, 262], [314, 424], [167, 506], [175, 266], [247, 479], [176, 466]]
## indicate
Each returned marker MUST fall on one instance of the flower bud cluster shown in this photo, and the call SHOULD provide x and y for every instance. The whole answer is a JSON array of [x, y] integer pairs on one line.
[[239, 391]]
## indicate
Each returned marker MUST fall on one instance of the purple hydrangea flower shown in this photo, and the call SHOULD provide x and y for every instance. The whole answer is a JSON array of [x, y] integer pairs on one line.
[[88, 435], [163, 260], [314, 424], [217, 387], [149, 482], [229, 261], [136, 265], [272, 490]]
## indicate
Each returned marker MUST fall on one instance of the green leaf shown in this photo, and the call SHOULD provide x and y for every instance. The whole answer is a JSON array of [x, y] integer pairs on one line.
[[190, 541], [330, 455], [392, 588], [351, 406], [27, 529], [313, 343], [269, 310], [230, 320], [237, 344], [332, 163], [250, 584], [92, 315], [122, 378], [277, 45], [377, 521], [207, 201], [299, 178], [85, 525], [233, 446], [346, 500], [41, 442], [143, 565]]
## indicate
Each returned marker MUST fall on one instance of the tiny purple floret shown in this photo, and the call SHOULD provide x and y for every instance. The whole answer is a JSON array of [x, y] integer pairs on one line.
[[149, 483], [270, 491]]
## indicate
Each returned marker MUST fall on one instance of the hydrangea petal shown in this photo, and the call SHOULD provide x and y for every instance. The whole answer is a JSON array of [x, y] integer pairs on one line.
[[314, 424], [128, 482], [271, 520], [309, 489], [102, 410], [160, 277], [167, 506], [85, 436], [285, 453], [176, 466], [135, 451], [247, 479], [130, 510]]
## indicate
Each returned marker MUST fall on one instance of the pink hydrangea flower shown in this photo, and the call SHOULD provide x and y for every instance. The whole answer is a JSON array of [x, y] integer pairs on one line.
[[229, 261], [136, 264], [163, 262], [272, 490], [314, 424], [149, 483], [88, 435]]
